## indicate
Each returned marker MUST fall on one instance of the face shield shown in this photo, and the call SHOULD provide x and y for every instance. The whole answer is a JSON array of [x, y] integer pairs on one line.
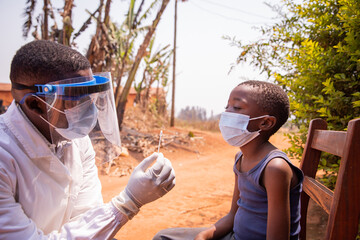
[[81, 107]]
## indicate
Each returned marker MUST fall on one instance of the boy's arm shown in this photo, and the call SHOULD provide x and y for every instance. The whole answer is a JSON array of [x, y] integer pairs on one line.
[[225, 224], [277, 181]]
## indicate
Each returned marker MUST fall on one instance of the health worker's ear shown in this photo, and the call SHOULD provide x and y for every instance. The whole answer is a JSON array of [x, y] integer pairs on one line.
[[35, 105], [267, 123]]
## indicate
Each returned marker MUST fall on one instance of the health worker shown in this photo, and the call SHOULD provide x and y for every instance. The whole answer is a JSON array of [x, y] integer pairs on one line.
[[49, 185]]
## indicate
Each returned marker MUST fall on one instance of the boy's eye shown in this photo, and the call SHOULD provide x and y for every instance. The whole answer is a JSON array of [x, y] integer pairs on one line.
[[233, 107]]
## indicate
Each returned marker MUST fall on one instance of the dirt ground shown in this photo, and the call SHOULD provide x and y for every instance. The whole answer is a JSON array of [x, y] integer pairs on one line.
[[203, 191]]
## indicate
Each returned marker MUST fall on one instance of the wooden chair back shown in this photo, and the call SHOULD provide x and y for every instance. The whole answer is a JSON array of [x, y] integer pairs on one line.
[[342, 204]]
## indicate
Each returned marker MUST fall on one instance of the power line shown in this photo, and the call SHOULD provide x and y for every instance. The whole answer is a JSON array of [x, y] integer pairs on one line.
[[226, 17], [235, 9]]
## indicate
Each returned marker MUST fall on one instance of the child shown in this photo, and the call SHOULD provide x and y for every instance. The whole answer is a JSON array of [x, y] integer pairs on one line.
[[266, 197]]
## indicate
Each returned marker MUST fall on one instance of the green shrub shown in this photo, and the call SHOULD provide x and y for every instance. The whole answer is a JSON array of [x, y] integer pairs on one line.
[[313, 52]]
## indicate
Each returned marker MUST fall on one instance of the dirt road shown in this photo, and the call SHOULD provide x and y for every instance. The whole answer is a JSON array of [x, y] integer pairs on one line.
[[203, 191]]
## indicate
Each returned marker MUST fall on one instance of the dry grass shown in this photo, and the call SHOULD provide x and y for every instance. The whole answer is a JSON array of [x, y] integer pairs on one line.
[[137, 118], [210, 125]]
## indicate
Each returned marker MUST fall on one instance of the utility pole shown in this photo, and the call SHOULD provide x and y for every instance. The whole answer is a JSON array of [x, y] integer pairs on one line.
[[172, 118]]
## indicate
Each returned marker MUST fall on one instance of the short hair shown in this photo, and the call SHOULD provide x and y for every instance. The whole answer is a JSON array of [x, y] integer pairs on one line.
[[272, 99], [43, 61]]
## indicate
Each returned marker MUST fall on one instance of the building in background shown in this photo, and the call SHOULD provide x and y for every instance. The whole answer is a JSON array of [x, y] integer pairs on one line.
[[154, 93], [5, 96]]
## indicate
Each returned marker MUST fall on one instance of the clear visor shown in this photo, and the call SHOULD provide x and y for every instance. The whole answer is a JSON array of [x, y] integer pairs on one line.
[[84, 107]]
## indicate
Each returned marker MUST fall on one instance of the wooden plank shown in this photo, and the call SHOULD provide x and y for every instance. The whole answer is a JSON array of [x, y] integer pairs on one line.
[[318, 192], [310, 159], [344, 217], [329, 141], [309, 165]]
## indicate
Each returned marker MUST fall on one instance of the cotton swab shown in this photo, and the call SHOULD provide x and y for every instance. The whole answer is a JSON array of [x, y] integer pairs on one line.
[[161, 133]]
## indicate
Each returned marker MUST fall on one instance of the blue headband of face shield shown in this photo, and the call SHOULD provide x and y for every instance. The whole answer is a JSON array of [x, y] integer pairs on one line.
[[68, 89], [82, 102]]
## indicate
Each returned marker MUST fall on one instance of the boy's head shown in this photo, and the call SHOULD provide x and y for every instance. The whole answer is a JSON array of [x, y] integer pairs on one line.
[[259, 98], [42, 61]]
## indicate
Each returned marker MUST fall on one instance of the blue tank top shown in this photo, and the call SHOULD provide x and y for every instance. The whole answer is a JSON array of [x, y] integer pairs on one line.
[[251, 217]]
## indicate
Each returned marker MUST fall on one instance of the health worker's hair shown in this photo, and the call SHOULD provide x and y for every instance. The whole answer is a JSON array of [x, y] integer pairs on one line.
[[42, 61], [272, 99]]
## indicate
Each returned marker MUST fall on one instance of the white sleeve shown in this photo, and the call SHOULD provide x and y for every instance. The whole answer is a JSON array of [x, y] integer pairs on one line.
[[100, 222], [89, 194]]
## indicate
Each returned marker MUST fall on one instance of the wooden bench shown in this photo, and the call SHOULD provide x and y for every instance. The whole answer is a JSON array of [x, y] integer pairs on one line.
[[342, 204]]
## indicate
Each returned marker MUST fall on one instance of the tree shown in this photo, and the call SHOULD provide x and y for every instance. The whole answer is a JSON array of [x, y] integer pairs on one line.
[[140, 54], [126, 35], [314, 54], [193, 114], [156, 70], [49, 32], [101, 47], [111, 48], [172, 114]]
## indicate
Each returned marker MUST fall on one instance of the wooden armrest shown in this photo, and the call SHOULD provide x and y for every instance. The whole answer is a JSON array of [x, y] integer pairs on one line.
[[318, 192]]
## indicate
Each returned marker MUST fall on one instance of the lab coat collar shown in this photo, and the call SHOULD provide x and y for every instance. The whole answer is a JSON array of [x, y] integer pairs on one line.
[[33, 142]]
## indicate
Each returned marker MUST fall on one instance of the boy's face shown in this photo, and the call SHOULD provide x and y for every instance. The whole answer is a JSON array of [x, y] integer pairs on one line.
[[240, 101]]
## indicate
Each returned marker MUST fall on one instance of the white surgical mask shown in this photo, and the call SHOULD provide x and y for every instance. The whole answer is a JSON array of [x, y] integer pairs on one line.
[[81, 120], [233, 127]]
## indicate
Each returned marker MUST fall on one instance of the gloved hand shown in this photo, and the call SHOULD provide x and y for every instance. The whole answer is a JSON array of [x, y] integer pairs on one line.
[[146, 184]]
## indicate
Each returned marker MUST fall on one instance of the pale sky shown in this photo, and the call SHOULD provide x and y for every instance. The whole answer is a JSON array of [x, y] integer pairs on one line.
[[203, 59]]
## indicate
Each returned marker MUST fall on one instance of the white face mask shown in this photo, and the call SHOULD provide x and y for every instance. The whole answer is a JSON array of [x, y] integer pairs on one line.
[[81, 120], [233, 127]]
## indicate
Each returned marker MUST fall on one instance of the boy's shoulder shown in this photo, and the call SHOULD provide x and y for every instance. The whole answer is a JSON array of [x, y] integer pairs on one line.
[[237, 155], [278, 164], [277, 157]]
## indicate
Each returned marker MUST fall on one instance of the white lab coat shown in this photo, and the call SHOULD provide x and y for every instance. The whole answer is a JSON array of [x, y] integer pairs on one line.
[[42, 197]]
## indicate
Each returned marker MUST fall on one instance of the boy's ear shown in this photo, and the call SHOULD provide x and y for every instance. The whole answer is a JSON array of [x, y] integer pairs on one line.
[[268, 123], [34, 105]]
